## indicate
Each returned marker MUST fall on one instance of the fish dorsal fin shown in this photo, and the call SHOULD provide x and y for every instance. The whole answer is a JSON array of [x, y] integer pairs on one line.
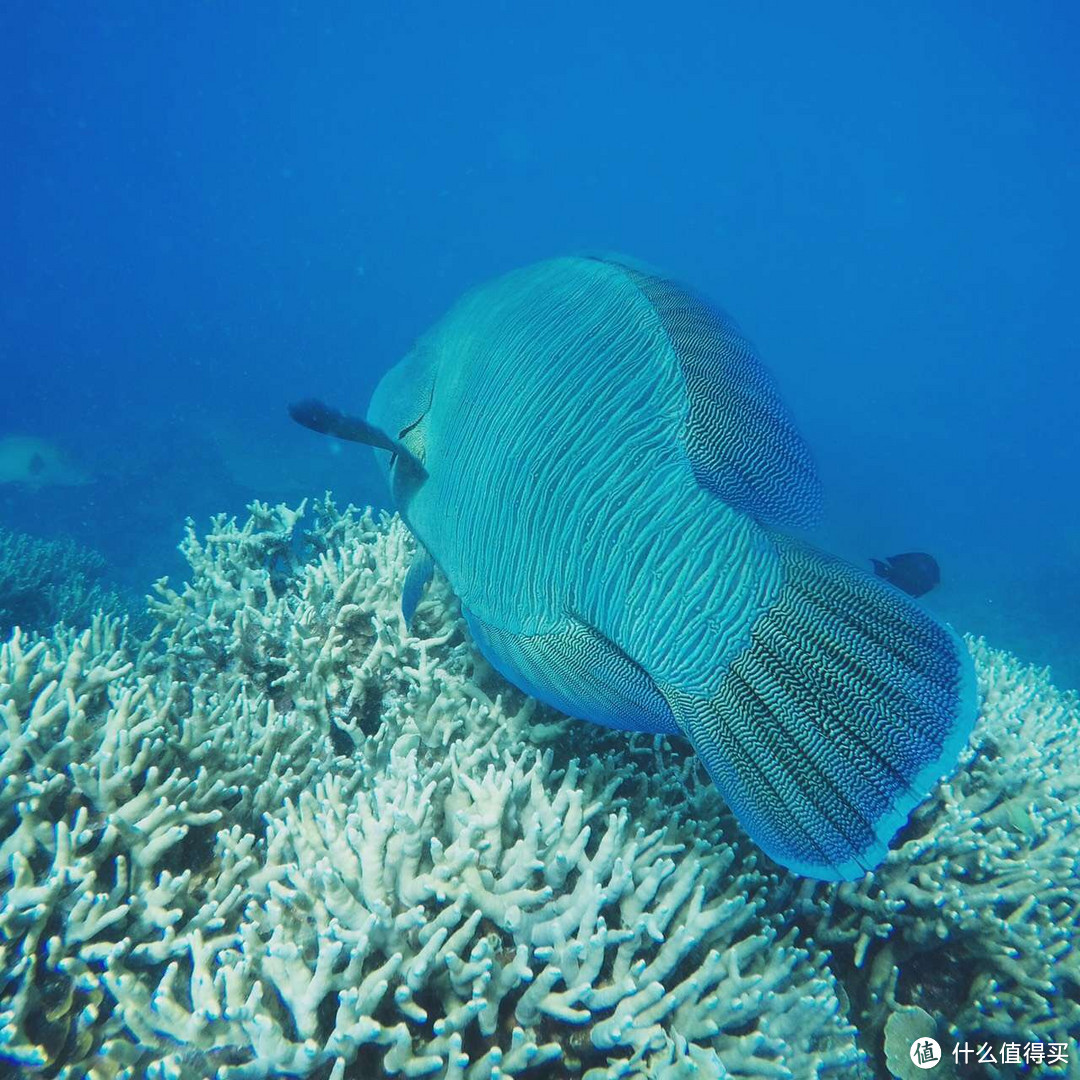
[[316, 416], [740, 438]]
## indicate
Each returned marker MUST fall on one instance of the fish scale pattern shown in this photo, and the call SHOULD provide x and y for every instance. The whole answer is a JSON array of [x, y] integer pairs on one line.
[[540, 457], [554, 434]]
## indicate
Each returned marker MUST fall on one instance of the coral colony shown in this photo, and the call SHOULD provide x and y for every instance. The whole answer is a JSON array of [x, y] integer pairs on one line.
[[286, 835]]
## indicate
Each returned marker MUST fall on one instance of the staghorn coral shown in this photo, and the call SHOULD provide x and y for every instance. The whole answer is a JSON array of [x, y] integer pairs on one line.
[[43, 582], [975, 913], [289, 836]]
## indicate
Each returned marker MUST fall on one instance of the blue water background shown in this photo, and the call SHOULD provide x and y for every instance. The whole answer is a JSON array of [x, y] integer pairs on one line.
[[208, 210]]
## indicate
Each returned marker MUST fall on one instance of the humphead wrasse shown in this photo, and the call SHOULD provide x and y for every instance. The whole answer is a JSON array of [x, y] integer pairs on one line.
[[600, 465], [37, 463]]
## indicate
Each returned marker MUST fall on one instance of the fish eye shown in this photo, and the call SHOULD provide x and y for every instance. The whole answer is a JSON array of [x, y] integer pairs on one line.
[[408, 427]]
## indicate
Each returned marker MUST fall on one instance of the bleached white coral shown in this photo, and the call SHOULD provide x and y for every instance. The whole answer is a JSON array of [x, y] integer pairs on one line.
[[975, 912], [291, 836], [43, 582]]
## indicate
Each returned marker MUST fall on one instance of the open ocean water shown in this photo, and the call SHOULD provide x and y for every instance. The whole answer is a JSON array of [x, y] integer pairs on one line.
[[209, 213]]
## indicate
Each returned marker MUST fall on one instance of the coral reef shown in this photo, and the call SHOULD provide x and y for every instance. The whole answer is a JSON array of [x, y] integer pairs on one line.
[[288, 835], [44, 582]]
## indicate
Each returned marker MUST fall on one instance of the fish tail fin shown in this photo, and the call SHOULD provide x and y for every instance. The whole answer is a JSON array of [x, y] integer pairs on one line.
[[837, 719]]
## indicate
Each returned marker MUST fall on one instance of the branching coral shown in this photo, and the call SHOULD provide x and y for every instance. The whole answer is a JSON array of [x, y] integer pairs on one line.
[[43, 582], [289, 836]]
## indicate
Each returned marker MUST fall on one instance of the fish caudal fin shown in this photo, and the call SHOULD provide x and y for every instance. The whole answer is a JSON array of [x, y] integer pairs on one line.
[[844, 710]]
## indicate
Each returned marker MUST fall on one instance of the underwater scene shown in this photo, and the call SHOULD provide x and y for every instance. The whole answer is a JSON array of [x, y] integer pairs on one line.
[[539, 542]]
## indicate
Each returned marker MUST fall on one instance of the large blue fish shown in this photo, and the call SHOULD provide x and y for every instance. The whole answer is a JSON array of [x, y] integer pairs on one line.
[[601, 466]]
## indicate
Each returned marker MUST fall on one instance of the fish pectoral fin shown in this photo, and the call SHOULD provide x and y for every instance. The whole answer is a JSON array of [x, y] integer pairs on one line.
[[419, 574], [845, 709], [578, 671], [317, 416]]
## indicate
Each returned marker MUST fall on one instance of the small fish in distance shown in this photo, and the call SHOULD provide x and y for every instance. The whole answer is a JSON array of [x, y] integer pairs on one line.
[[915, 572]]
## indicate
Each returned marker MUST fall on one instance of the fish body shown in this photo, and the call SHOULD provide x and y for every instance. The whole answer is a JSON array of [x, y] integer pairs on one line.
[[551, 464], [602, 468], [915, 572], [37, 463]]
